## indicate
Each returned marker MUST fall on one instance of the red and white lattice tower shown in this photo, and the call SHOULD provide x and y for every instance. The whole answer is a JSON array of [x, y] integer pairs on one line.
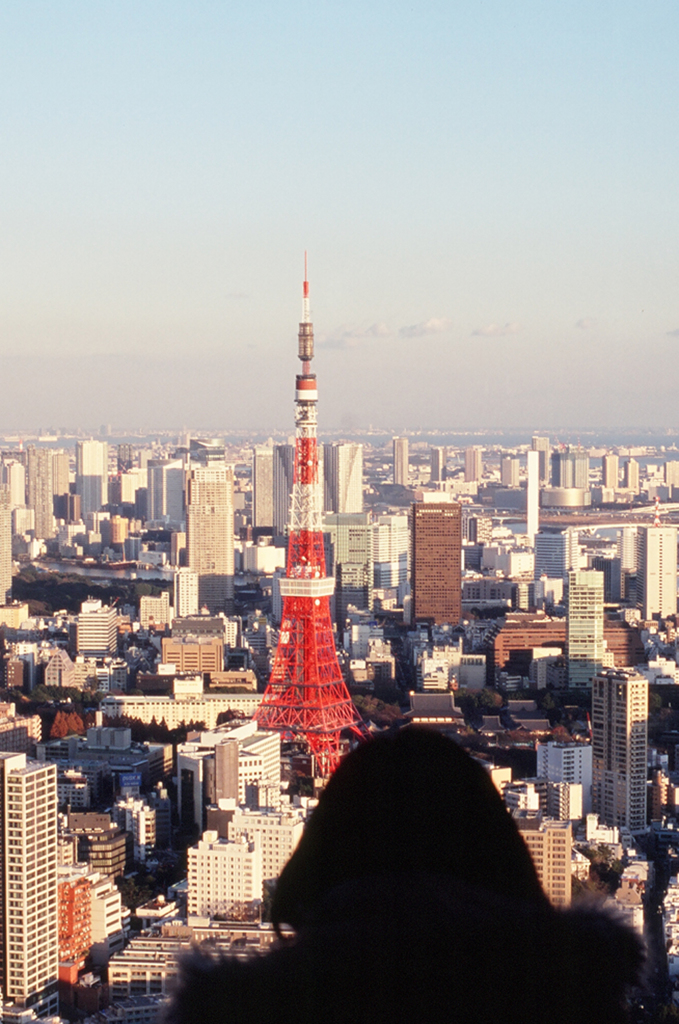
[[307, 697]]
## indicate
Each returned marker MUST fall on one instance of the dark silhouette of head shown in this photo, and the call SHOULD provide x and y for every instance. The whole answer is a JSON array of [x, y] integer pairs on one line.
[[410, 803]]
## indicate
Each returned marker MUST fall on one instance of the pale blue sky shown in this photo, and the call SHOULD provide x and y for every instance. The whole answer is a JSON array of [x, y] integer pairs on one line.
[[472, 181]]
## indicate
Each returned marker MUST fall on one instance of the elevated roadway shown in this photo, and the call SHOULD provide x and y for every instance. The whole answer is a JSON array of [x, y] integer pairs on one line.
[[590, 518]]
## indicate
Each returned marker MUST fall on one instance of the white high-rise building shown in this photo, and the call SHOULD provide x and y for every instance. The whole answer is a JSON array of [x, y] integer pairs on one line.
[[130, 482], [91, 475], [556, 554], [401, 461], [351, 536], [228, 762], [541, 446], [135, 816], [166, 491], [627, 548], [14, 476], [186, 592], [97, 630], [5, 546], [283, 474], [473, 464], [262, 486], [222, 873], [106, 907], [509, 471], [585, 626], [343, 477], [567, 762], [209, 534], [279, 833], [619, 748], [630, 476], [391, 545], [657, 571], [532, 495], [610, 471], [29, 937]]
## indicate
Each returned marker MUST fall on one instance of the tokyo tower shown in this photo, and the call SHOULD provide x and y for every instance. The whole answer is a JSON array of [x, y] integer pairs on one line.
[[307, 696]]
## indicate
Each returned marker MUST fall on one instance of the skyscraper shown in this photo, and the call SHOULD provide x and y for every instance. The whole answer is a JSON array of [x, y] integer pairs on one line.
[[125, 458], [401, 463], [343, 477], [283, 473], [39, 490], [509, 471], [166, 491], [60, 483], [29, 937], [391, 546], [351, 536], [209, 534], [185, 592], [630, 476], [619, 741], [657, 571], [610, 567], [438, 457], [473, 464], [5, 546], [671, 473], [14, 476], [262, 486], [532, 495], [570, 469], [627, 547], [97, 630], [556, 553], [610, 471], [541, 445], [436, 539], [91, 475], [585, 626]]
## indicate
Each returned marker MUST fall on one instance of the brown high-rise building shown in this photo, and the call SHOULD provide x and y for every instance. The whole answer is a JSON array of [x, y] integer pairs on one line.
[[436, 539]]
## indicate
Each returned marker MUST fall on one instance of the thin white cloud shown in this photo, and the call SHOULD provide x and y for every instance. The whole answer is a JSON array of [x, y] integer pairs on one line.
[[495, 330], [379, 330], [434, 325], [351, 337], [586, 323]]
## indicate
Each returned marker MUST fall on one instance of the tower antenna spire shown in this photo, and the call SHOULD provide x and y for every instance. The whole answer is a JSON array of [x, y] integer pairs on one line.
[[306, 314]]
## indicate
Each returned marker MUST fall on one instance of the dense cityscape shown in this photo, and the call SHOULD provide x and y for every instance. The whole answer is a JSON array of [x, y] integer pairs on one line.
[[195, 632]]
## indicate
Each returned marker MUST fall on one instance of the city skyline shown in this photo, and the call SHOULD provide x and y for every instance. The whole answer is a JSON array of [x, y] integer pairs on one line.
[[484, 194]]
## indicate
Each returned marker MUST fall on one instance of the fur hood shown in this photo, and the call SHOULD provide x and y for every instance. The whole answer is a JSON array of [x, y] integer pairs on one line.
[[404, 948]]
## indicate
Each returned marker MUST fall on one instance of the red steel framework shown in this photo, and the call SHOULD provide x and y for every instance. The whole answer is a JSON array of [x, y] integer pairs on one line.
[[307, 697]]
